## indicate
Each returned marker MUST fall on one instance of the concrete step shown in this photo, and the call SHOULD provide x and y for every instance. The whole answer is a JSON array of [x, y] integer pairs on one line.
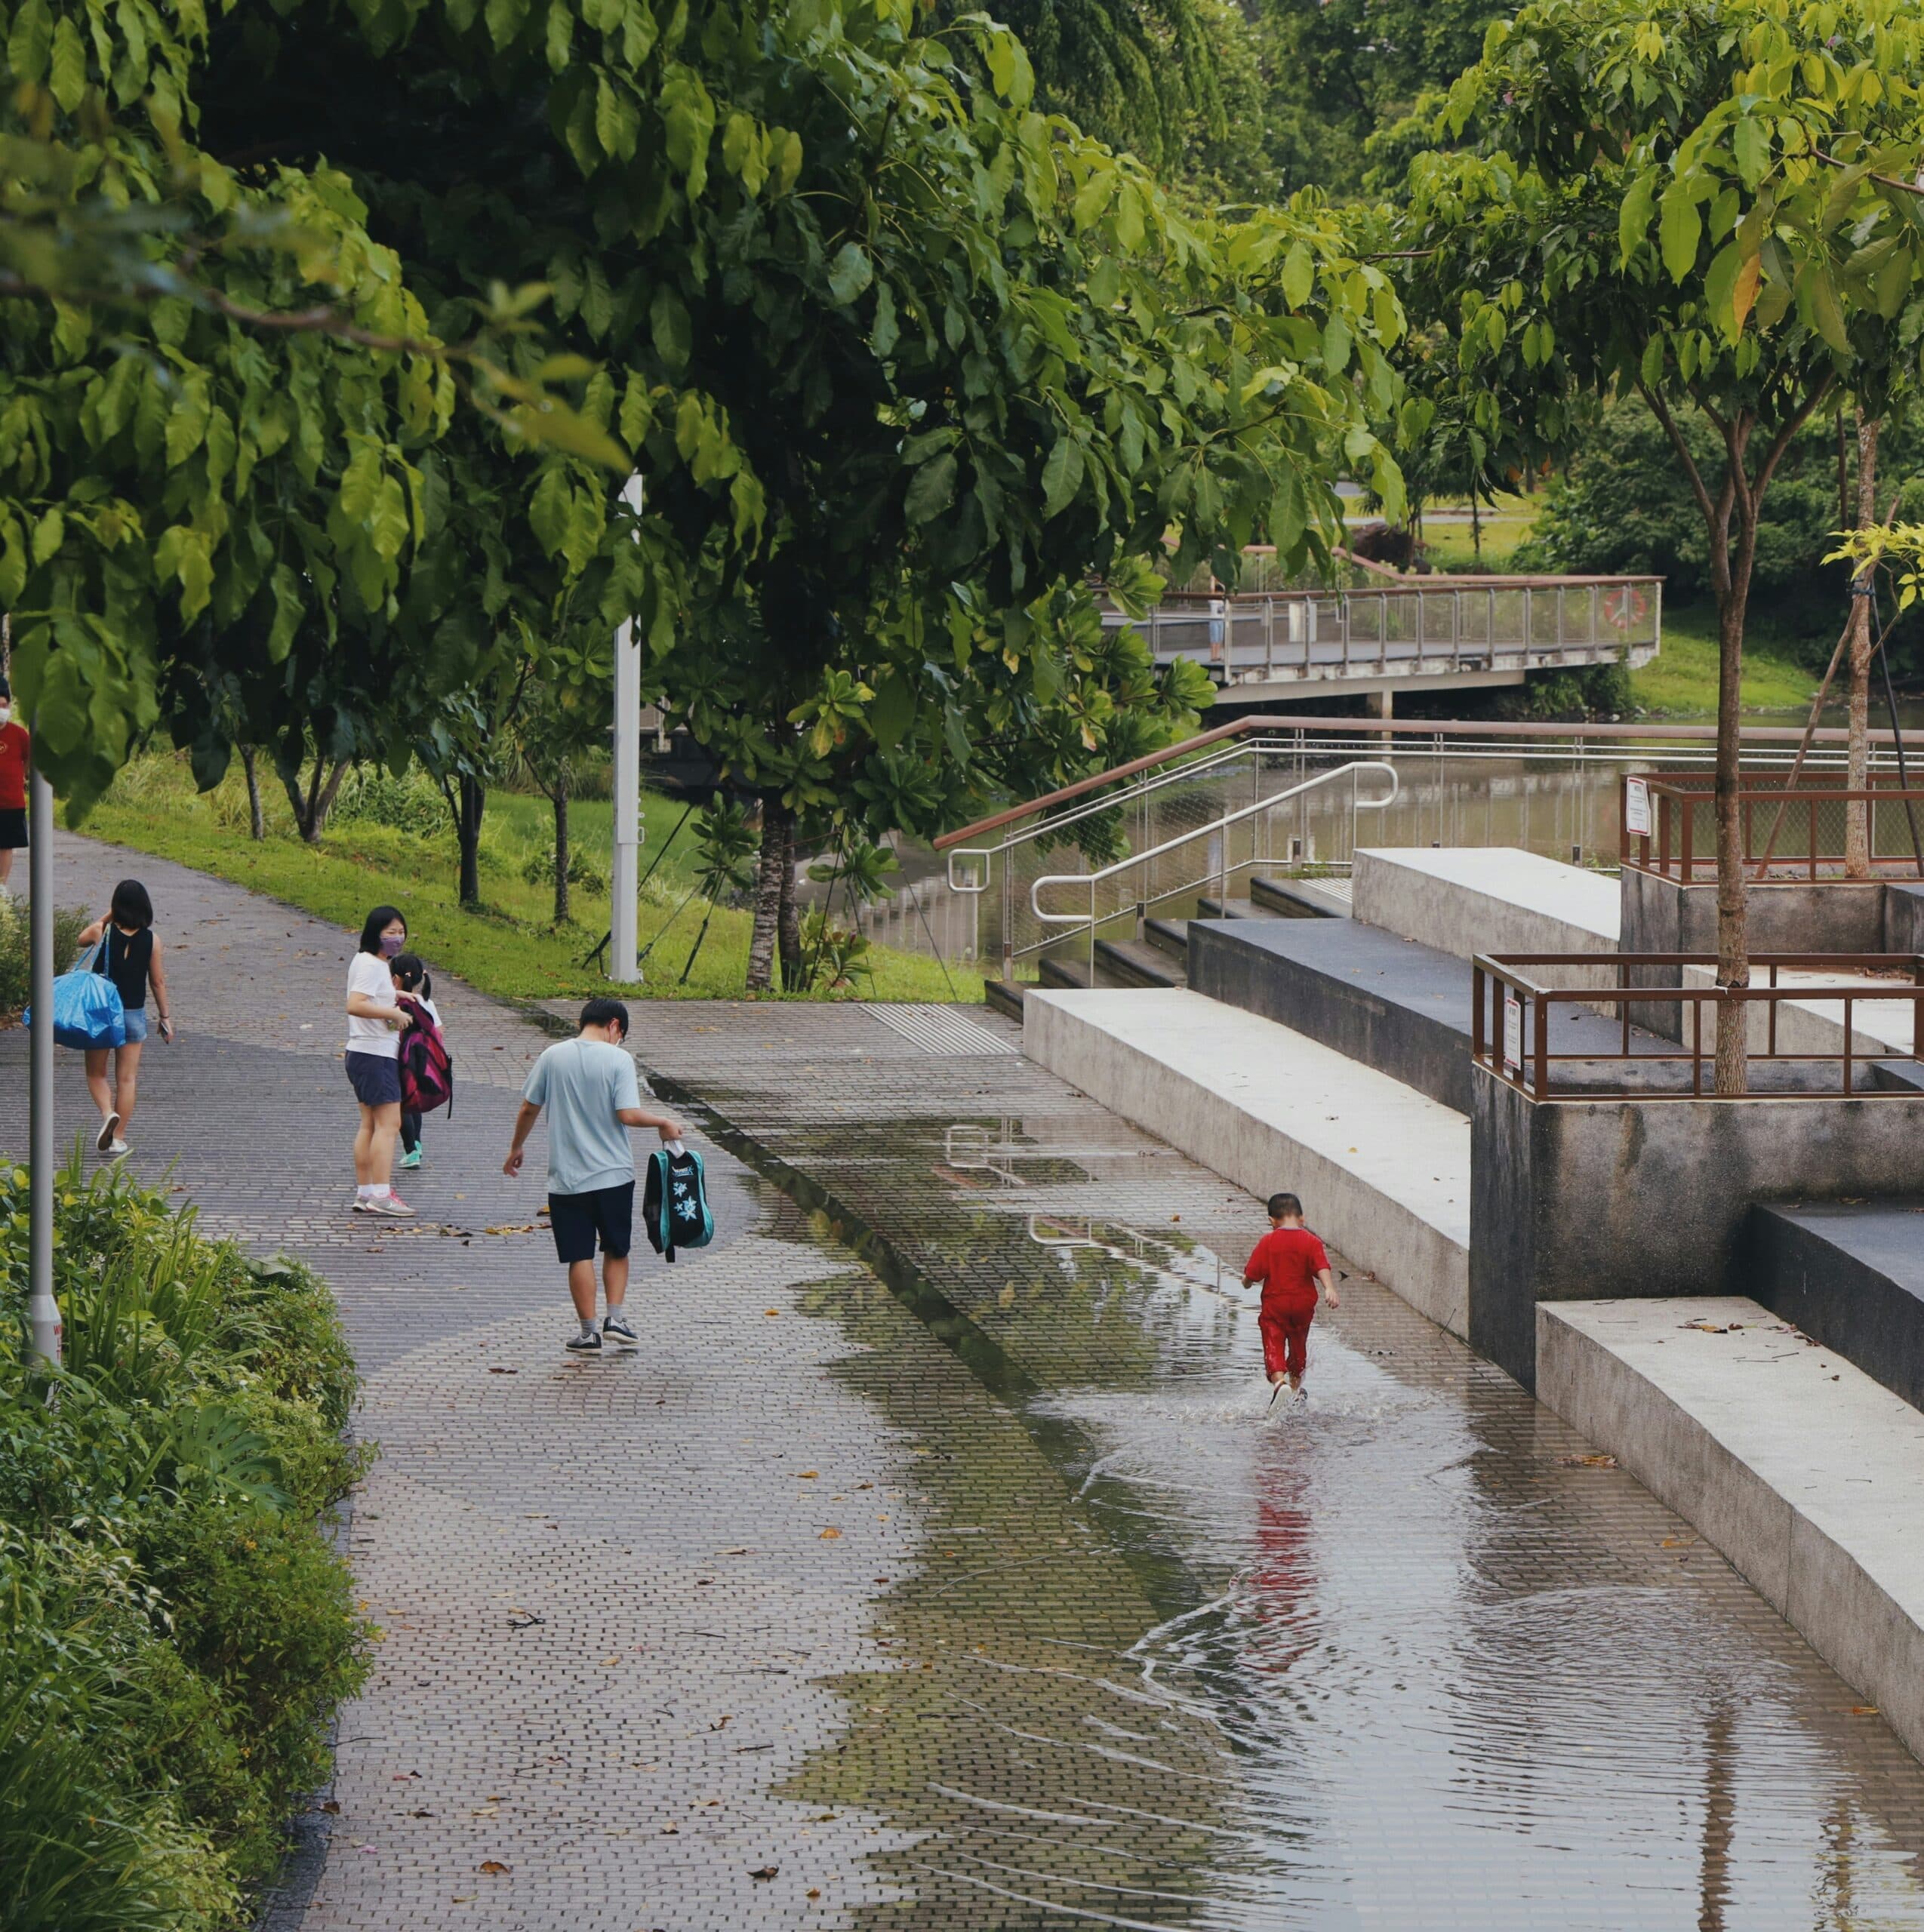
[[1383, 1169], [1209, 907], [1064, 973], [1404, 1009], [1005, 995], [1797, 1466], [1120, 962], [1471, 899], [1850, 1275], [1301, 898], [1169, 936]]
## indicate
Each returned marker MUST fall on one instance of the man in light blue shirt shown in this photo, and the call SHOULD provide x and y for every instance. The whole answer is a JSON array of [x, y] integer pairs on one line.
[[588, 1086]]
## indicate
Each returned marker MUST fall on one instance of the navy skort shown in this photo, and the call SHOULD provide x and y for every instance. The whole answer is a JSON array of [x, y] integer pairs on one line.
[[376, 1079], [578, 1219]]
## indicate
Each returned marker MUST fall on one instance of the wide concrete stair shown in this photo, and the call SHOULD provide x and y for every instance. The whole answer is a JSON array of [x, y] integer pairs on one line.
[[1383, 1169], [1850, 1275], [1798, 1467]]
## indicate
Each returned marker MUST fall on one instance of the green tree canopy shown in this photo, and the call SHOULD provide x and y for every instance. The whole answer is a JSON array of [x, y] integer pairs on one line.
[[1704, 204]]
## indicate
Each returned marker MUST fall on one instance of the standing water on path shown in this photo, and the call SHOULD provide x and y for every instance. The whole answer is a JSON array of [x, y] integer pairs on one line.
[[1458, 1667]]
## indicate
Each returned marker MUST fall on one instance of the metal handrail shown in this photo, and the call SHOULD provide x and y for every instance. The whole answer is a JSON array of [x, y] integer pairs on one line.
[[1213, 764], [1527, 1069], [1218, 826], [1668, 850]]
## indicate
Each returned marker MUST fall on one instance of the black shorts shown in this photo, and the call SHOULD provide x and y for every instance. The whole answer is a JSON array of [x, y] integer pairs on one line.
[[12, 830], [577, 1219]]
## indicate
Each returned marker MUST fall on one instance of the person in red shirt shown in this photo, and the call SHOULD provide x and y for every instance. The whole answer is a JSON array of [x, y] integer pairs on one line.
[[16, 754], [1290, 1263]]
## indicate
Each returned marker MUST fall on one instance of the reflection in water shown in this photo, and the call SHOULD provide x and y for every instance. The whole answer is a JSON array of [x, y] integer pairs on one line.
[[1401, 1659], [1450, 1688]]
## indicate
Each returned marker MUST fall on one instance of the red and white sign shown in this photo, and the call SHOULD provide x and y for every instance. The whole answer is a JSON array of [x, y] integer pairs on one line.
[[1512, 1033]]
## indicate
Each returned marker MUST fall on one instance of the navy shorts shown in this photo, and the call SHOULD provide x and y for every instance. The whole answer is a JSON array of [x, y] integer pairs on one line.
[[12, 830], [578, 1219], [376, 1079]]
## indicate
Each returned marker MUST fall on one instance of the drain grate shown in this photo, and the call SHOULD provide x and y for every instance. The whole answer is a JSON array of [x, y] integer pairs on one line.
[[939, 1030]]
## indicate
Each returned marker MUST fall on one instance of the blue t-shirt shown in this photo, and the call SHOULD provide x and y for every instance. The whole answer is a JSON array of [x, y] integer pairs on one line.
[[583, 1084]]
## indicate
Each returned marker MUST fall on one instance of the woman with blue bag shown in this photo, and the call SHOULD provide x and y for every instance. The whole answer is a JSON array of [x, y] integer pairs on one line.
[[127, 959]]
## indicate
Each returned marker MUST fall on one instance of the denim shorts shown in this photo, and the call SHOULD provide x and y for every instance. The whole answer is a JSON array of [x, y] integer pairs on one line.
[[375, 1078], [137, 1025]]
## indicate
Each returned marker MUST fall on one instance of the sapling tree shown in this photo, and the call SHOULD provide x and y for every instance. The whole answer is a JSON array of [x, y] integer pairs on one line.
[[1705, 203]]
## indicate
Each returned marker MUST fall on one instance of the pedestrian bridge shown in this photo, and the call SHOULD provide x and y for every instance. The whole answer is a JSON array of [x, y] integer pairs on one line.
[[1431, 633]]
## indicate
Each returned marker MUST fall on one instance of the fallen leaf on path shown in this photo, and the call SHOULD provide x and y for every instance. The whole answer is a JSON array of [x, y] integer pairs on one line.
[[494, 1866], [830, 1534], [514, 1228], [1586, 1462], [806, 1475], [771, 1311], [1863, 1710], [764, 1871], [504, 1371]]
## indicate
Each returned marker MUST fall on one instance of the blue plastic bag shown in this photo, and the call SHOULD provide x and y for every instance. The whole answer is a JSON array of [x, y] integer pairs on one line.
[[88, 1011]]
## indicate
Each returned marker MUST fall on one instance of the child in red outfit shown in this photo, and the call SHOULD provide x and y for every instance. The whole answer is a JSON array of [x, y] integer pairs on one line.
[[1290, 1262]]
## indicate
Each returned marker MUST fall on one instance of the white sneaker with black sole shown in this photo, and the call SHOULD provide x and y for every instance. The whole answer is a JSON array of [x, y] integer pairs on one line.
[[585, 1344], [109, 1133]]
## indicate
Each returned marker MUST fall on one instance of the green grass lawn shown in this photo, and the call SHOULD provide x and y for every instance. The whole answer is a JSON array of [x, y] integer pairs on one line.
[[1682, 681], [509, 948]]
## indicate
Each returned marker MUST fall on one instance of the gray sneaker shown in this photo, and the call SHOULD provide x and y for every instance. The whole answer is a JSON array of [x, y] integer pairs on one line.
[[585, 1344], [391, 1205]]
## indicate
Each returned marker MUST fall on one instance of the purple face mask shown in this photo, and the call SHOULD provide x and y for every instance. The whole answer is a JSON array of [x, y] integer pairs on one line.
[[391, 944]]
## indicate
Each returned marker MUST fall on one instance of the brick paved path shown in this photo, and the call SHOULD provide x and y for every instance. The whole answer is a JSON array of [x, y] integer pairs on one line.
[[933, 1553]]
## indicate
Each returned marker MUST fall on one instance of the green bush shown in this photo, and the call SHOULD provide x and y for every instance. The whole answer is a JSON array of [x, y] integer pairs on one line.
[[370, 796], [15, 962], [166, 1579]]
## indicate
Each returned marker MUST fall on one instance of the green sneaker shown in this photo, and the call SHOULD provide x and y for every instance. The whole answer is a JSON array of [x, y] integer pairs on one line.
[[412, 1158]]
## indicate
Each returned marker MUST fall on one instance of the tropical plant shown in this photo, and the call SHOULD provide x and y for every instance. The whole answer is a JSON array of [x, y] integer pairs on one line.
[[1708, 206]]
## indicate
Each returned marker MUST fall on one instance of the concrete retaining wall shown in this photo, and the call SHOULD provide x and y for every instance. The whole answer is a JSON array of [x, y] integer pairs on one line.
[[1904, 917], [1799, 1470], [1383, 1172], [1571, 1200]]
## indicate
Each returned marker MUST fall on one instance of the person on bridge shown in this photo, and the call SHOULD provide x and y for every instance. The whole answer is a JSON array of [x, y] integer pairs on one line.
[[1291, 1265], [588, 1086]]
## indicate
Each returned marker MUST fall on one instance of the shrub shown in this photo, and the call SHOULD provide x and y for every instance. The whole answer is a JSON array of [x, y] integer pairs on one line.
[[538, 868], [167, 1579], [16, 962], [413, 803]]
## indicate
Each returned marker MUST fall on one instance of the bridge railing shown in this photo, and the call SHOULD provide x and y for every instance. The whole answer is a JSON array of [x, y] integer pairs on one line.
[[1386, 630]]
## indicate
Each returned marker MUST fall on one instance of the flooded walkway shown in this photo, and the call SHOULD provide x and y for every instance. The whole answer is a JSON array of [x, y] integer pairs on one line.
[[932, 1565], [1443, 1665]]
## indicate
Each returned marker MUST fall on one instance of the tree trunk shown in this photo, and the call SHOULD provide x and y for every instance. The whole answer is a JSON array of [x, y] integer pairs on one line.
[[1857, 816], [257, 818], [1733, 939], [788, 920], [472, 798], [311, 806], [775, 826], [559, 794]]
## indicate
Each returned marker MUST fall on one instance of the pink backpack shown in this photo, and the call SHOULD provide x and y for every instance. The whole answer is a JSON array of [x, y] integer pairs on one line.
[[427, 1067]]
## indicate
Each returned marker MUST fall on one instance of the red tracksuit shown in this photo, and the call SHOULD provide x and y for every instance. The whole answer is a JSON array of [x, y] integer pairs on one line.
[[1287, 1262]]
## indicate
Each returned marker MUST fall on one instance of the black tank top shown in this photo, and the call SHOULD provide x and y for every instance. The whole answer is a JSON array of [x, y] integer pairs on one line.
[[124, 960]]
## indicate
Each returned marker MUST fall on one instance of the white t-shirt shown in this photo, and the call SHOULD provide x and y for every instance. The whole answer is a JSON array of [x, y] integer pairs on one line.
[[369, 974]]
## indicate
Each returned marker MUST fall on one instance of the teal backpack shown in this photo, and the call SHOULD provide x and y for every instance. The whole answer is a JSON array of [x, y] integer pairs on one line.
[[675, 1201]]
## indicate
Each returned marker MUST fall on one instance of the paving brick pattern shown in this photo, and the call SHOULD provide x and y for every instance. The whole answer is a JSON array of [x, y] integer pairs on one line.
[[933, 1554]]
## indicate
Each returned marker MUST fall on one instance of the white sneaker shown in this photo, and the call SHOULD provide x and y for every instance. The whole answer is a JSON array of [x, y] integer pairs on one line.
[[117, 1151], [391, 1205]]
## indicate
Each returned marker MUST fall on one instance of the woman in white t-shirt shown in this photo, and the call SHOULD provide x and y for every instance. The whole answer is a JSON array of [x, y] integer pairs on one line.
[[374, 1022]]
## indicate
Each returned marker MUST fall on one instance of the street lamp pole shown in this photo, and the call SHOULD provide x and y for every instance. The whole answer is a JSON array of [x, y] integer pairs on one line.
[[625, 873], [43, 1311]]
